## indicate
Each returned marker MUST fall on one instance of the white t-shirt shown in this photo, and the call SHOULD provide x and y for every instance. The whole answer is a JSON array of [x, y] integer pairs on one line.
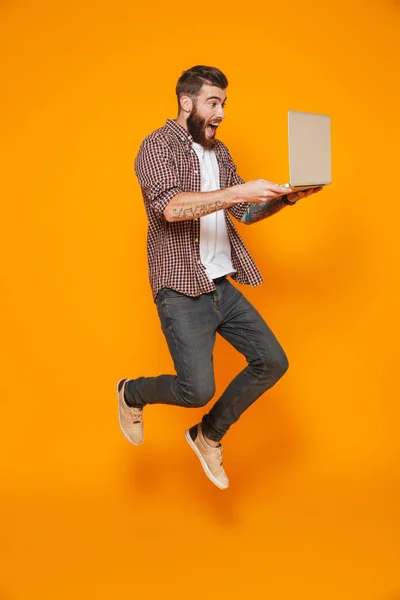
[[215, 247]]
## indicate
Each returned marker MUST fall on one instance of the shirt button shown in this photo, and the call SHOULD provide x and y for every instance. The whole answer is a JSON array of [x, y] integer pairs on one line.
[[196, 240]]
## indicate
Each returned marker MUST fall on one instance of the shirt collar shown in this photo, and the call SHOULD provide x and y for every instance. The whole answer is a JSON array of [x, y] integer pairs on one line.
[[198, 148], [179, 131]]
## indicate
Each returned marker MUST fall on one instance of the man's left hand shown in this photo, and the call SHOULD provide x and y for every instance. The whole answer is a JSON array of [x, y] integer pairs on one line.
[[295, 196]]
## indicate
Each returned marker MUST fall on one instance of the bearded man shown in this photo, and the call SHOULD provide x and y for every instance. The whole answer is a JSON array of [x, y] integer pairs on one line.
[[191, 191]]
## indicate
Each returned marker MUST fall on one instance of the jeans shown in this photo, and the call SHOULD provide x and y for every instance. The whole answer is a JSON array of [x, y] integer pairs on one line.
[[190, 325]]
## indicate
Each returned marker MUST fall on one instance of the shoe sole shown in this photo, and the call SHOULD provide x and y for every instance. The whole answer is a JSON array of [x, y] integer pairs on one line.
[[120, 400], [203, 463]]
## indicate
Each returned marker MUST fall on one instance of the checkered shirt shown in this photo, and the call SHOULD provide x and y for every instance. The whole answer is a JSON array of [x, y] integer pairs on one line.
[[166, 165]]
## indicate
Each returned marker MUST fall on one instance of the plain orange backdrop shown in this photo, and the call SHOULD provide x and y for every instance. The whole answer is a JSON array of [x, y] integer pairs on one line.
[[313, 508]]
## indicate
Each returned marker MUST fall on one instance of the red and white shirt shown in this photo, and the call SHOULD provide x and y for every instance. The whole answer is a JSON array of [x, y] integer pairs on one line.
[[166, 165]]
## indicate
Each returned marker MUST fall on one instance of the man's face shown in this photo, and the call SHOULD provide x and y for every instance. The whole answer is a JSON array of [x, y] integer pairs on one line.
[[207, 113]]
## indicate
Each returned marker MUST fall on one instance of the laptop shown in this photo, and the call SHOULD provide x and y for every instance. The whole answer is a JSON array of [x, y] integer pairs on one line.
[[309, 150]]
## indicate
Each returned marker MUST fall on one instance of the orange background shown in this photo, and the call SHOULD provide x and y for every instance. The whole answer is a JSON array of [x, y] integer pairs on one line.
[[313, 507]]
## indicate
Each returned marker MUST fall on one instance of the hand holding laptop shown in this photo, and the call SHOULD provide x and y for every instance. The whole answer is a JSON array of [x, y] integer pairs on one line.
[[295, 196], [259, 191]]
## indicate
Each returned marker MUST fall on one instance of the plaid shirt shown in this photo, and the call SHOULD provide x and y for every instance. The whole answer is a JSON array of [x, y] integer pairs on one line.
[[166, 165]]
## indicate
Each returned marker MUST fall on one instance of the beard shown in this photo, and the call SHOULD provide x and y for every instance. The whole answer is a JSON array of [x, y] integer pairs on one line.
[[197, 128]]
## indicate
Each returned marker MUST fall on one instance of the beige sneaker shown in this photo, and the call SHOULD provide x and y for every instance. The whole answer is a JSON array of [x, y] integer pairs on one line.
[[210, 456], [130, 418]]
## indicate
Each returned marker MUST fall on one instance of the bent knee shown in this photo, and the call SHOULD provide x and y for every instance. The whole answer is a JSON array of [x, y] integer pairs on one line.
[[274, 368], [200, 395], [280, 366]]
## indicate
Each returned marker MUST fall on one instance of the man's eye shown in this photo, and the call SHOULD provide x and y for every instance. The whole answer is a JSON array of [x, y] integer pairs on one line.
[[213, 104]]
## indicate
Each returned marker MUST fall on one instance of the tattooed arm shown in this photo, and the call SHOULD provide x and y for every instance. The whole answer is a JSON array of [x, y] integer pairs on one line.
[[257, 212], [191, 205]]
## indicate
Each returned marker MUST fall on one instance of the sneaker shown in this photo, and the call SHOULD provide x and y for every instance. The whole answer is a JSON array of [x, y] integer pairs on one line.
[[130, 417], [210, 456]]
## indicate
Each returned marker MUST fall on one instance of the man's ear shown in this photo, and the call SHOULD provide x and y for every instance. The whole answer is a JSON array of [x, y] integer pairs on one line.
[[186, 104]]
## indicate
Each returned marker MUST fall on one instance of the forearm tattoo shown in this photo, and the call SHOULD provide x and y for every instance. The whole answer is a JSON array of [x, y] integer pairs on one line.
[[257, 212], [192, 212]]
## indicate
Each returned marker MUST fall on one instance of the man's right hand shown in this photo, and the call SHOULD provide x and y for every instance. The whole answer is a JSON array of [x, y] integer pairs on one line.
[[260, 190]]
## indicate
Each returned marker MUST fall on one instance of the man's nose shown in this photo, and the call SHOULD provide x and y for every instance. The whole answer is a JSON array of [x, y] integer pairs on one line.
[[221, 113]]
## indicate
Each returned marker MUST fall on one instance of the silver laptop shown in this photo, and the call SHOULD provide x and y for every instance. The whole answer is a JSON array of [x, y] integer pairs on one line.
[[309, 150]]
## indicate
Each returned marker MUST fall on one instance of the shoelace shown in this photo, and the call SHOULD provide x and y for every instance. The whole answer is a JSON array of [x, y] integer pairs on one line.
[[136, 414], [218, 453]]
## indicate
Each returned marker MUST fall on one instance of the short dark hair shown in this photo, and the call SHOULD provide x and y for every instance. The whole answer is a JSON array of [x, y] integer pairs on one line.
[[192, 80]]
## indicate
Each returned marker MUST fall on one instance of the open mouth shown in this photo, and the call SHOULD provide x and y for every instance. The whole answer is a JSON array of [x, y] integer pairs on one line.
[[212, 128]]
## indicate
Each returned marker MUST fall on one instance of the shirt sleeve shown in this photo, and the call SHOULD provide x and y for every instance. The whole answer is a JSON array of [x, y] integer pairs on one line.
[[157, 173], [237, 210]]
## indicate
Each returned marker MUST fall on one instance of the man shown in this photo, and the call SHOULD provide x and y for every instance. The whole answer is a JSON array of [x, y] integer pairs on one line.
[[191, 192]]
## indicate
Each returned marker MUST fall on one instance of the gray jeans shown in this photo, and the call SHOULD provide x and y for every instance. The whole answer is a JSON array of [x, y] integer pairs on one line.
[[190, 325]]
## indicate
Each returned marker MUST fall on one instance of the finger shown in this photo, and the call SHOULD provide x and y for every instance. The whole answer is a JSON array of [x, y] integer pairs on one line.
[[294, 196], [279, 189], [312, 191]]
